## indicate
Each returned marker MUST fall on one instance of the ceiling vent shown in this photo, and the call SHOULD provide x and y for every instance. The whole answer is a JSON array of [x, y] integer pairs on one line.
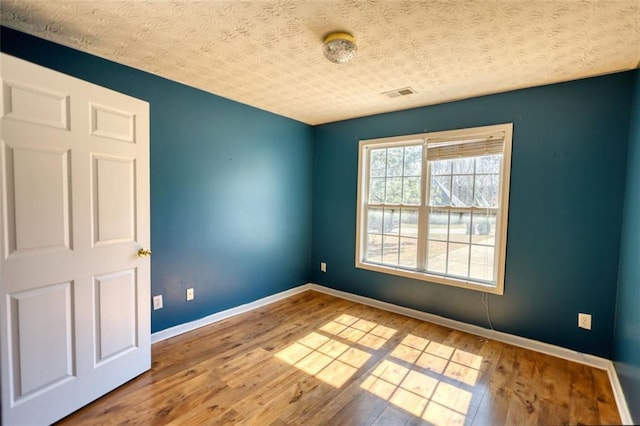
[[400, 92]]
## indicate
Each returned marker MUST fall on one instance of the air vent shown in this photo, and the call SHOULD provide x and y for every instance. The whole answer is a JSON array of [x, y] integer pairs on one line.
[[399, 92]]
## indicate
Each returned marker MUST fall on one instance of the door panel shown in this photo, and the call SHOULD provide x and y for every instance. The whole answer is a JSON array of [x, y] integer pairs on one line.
[[38, 197], [33, 105], [74, 194], [116, 314], [113, 124], [114, 199], [29, 315]]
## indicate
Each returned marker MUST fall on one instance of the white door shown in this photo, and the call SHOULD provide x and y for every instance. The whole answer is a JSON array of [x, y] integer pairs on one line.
[[74, 198]]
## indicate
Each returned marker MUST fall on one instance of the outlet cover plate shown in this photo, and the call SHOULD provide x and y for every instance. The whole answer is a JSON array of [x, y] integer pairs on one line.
[[157, 302], [584, 321], [190, 294]]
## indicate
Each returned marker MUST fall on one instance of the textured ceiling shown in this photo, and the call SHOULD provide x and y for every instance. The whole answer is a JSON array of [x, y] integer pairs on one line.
[[268, 54]]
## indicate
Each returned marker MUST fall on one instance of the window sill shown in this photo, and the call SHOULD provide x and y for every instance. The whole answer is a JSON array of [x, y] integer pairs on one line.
[[437, 279]]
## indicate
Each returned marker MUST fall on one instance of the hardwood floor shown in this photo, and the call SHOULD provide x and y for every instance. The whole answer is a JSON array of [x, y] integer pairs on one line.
[[314, 359]]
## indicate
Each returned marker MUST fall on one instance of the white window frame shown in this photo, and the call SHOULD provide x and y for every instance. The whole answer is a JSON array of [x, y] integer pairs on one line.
[[501, 218]]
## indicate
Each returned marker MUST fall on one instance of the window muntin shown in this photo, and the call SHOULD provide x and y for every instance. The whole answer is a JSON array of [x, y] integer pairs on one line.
[[434, 206]]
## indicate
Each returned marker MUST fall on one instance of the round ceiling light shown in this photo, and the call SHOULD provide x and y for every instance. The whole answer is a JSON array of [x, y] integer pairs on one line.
[[339, 48]]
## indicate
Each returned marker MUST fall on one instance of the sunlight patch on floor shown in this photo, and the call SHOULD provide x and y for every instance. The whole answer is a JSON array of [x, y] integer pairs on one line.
[[360, 331], [427, 379], [331, 360]]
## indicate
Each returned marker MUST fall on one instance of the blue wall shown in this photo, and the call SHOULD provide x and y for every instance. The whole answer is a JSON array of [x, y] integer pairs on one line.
[[232, 201], [230, 187], [627, 325], [567, 184]]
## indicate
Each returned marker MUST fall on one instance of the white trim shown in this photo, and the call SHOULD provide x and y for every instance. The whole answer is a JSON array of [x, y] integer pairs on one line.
[[432, 278], [618, 394], [523, 342], [167, 333], [420, 272]]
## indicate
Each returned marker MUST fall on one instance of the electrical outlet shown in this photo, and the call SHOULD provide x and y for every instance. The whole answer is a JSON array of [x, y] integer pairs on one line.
[[323, 267], [190, 294], [157, 302], [584, 321]]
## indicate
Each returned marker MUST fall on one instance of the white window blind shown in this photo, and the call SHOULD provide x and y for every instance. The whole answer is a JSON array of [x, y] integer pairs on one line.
[[447, 149]]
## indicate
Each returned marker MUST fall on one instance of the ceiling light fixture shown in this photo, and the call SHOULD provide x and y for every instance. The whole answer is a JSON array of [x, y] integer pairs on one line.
[[339, 47]]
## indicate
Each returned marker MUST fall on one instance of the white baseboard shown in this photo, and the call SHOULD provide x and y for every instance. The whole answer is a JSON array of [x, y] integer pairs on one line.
[[618, 393], [219, 316], [523, 342]]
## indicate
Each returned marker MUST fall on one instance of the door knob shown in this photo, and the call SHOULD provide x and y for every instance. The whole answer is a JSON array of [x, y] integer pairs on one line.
[[143, 252]]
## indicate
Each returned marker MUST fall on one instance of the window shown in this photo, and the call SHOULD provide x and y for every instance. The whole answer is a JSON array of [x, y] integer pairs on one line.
[[434, 206]]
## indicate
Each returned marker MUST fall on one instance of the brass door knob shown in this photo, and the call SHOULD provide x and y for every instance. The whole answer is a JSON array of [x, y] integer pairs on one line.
[[143, 252]]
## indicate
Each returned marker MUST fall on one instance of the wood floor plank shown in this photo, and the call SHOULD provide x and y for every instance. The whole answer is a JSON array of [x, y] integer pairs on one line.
[[313, 359], [494, 407], [524, 402], [607, 409], [364, 409], [582, 390], [553, 385], [392, 416]]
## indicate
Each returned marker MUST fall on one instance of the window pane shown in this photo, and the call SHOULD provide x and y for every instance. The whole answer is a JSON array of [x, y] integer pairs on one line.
[[391, 221], [488, 164], [390, 249], [463, 166], [440, 191], [394, 161], [408, 251], [411, 191], [409, 223], [374, 221], [413, 161], [437, 256], [458, 261], [438, 225], [374, 248], [482, 263], [487, 190], [376, 190], [484, 228], [459, 227], [394, 190], [378, 162], [441, 167], [462, 191]]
